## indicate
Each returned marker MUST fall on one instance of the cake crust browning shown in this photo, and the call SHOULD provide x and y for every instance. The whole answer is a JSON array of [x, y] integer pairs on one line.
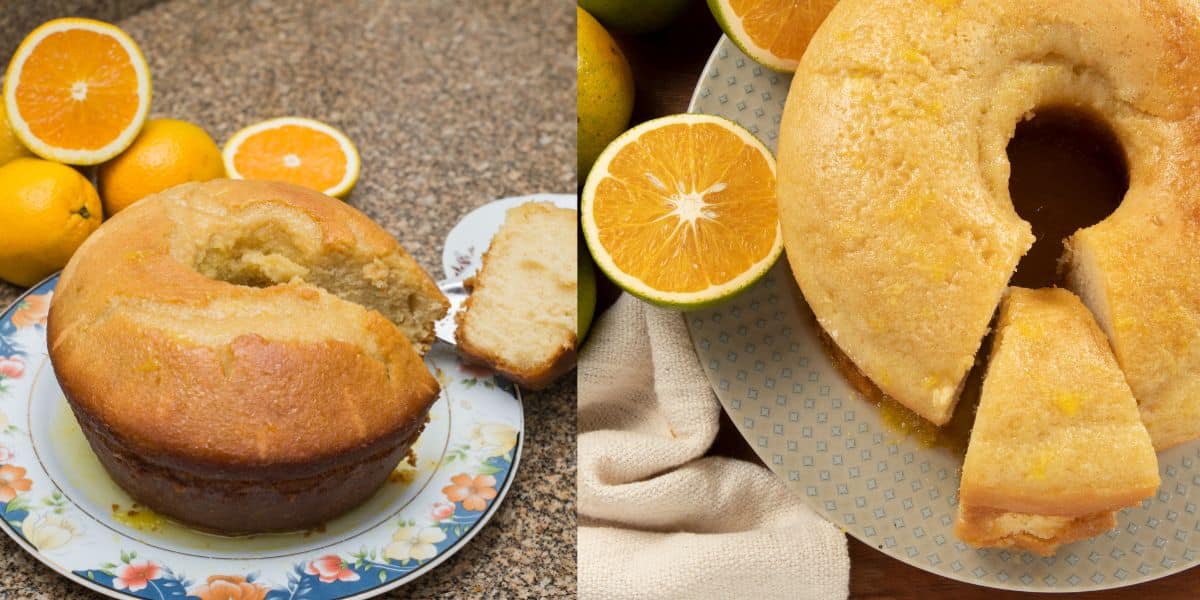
[[537, 378], [294, 407], [203, 342], [893, 185], [990, 528], [266, 500]]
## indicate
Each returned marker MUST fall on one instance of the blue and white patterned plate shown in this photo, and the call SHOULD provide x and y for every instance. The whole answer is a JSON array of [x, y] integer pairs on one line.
[[766, 363], [57, 502]]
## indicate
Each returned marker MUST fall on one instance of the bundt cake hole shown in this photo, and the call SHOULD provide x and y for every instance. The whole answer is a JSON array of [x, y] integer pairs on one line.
[[1068, 171], [271, 253]]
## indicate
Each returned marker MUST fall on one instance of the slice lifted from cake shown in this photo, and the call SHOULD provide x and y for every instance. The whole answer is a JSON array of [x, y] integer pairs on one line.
[[1058, 445], [521, 317]]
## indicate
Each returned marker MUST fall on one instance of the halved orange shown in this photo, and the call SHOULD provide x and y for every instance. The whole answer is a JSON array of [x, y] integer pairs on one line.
[[772, 32], [77, 91], [296, 150], [680, 211]]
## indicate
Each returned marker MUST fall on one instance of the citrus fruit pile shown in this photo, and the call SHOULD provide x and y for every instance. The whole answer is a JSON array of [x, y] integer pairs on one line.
[[76, 99]]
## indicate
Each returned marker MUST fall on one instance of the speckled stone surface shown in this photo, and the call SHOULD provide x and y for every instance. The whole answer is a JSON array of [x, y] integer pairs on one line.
[[451, 104]]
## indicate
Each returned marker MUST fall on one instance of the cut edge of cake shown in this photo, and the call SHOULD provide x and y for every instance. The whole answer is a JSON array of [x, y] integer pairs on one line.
[[1042, 534], [1000, 516], [485, 307]]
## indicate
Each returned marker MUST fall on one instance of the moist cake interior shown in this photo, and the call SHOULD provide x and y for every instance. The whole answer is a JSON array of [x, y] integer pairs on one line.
[[261, 252]]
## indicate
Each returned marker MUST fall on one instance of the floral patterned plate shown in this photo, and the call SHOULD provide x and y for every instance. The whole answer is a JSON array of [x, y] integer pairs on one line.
[[57, 502]]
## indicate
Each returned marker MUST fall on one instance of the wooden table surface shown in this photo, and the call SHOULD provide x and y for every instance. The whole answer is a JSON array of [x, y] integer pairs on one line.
[[666, 66]]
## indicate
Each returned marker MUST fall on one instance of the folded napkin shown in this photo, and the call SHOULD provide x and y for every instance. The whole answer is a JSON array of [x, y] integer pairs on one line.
[[657, 519]]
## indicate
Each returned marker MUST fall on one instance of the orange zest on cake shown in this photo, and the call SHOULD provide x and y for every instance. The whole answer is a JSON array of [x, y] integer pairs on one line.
[[1057, 445]]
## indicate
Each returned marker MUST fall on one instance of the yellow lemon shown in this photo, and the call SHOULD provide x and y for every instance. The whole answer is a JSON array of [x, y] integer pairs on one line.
[[605, 91], [10, 147], [46, 211], [165, 154]]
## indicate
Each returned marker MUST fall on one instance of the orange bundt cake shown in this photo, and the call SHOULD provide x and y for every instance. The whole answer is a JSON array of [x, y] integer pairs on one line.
[[243, 355], [1057, 445], [893, 185]]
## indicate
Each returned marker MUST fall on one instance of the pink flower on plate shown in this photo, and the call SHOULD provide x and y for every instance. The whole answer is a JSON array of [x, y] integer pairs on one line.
[[441, 511], [135, 576], [5, 454], [12, 367], [330, 568]]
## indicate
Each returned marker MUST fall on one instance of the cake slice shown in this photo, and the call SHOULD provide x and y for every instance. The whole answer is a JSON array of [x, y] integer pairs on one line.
[[1143, 285], [521, 316], [1058, 445]]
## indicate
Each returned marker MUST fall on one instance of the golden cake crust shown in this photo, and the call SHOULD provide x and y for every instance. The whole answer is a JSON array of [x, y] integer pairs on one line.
[[254, 385], [893, 184], [1043, 534], [1057, 431]]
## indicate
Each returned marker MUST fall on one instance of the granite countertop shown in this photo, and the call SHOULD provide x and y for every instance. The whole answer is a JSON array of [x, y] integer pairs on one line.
[[451, 105]]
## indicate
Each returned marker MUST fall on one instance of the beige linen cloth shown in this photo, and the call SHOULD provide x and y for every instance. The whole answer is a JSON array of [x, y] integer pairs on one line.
[[657, 519]]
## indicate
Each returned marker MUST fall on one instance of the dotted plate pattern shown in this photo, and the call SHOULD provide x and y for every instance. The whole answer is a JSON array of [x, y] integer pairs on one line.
[[764, 359]]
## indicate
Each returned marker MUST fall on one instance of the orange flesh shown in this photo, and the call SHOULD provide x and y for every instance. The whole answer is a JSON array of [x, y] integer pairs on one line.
[[264, 155], [774, 24], [634, 217], [62, 63]]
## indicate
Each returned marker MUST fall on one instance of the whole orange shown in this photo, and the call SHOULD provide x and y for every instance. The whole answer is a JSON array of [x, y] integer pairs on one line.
[[166, 153], [47, 210]]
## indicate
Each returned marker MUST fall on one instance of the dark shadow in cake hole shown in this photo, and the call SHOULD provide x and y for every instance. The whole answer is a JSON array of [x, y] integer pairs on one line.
[[1068, 172]]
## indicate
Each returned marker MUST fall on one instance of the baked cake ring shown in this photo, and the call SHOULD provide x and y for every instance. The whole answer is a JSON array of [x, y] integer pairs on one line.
[[245, 356], [893, 185]]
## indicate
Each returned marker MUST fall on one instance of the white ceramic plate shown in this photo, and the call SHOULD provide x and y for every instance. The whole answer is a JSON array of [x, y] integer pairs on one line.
[[765, 361], [57, 502]]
